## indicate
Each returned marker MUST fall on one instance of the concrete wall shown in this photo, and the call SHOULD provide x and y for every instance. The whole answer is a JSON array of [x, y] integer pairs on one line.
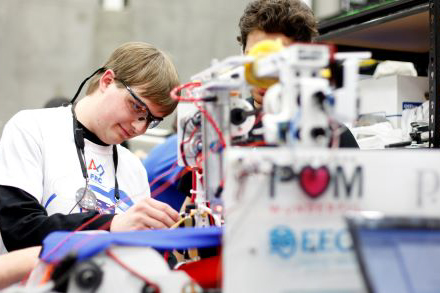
[[44, 50], [48, 46]]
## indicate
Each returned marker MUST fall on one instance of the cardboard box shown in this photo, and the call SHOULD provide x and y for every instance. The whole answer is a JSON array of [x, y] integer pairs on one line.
[[391, 95]]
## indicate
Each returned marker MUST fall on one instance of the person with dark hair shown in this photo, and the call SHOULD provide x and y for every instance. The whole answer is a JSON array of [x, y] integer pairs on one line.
[[62, 167], [288, 20], [57, 102], [292, 20]]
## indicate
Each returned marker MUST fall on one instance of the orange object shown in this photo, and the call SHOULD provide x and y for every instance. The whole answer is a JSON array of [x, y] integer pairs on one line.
[[47, 273]]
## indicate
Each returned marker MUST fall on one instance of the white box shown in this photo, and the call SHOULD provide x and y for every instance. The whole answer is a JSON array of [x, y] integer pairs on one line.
[[392, 94], [280, 239]]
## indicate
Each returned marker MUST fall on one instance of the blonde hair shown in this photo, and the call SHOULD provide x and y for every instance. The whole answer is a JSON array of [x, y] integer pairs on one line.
[[143, 65]]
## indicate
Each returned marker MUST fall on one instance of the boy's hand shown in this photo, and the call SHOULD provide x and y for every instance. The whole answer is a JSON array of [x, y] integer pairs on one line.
[[145, 214]]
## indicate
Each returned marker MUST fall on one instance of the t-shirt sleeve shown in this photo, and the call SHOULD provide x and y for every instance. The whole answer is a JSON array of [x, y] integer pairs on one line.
[[21, 158]]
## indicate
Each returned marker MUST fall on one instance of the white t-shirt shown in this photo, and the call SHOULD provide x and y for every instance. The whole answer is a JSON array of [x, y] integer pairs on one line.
[[38, 155]]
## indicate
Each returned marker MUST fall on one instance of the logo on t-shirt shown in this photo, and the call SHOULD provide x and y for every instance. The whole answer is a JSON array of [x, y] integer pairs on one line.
[[97, 177], [92, 165]]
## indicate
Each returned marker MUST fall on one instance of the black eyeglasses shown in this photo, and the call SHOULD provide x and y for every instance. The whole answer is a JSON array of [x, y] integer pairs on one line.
[[141, 107]]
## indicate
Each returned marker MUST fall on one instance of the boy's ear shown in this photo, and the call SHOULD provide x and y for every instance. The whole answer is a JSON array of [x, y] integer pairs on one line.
[[106, 79]]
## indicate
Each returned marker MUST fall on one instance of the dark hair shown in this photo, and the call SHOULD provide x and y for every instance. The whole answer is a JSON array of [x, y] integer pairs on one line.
[[57, 101], [293, 18]]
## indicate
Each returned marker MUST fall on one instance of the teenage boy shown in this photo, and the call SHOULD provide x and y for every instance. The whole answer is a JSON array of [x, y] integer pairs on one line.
[[61, 167]]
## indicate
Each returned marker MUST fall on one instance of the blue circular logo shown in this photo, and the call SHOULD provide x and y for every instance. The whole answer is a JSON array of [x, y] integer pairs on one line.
[[282, 242]]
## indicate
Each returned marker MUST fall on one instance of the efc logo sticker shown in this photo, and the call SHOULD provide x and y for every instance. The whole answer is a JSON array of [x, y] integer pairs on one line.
[[284, 243]]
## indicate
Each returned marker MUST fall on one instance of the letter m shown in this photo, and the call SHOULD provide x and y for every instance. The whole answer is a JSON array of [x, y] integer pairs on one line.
[[347, 184]]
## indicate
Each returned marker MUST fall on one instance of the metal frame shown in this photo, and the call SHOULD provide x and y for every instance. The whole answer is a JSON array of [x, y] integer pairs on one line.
[[434, 82], [371, 17]]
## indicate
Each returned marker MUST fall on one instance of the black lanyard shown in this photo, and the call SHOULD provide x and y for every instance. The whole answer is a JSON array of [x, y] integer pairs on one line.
[[78, 134]]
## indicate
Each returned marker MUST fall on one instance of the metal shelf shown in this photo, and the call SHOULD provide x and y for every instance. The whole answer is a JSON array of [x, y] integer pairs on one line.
[[406, 30], [403, 30], [381, 11]]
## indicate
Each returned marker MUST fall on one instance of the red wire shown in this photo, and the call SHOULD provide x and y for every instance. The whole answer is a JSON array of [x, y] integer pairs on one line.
[[132, 271], [256, 143], [166, 184], [191, 135], [199, 161], [188, 86], [162, 188], [259, 117], [214, 125], [182, 150], [171, 169], [182, 153], [194, 186]]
